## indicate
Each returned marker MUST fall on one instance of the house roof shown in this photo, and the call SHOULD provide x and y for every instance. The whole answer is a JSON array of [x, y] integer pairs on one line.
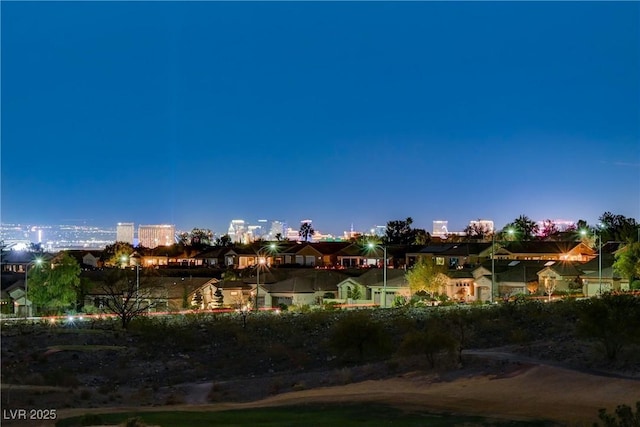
[[519, 271], [436, 249], [566, 268], [539, 247], [465, 249], [175, 289], [594, 264], [243, 250], [215, 252], [373, 276], [234, 284], [313, 281], [329, 248], [464, 273]]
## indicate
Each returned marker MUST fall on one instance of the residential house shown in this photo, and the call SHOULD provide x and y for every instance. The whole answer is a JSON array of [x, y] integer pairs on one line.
[[213, 257], [237, 294], [560, 276], [461, 285], [307, 287], [599, 276], [370, 287], [241, 257], [87, 258], [542, 250]]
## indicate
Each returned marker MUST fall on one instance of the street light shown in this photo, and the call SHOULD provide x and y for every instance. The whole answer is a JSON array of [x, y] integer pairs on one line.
[[384, 272], [125, 258], [493, 260], [261, 262], [598, 234], [36, 261]]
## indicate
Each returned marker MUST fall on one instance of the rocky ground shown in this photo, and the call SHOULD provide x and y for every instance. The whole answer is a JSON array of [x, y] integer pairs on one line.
[[70, 367]]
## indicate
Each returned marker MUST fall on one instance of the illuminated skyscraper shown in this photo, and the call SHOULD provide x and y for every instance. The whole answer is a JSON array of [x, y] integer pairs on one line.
[[237, 230], [440, 228], [152, 236], [124, 232]]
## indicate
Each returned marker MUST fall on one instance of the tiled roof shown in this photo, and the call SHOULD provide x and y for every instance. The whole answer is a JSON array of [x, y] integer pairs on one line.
[[465, 249], [537, 247], [436, 249], [518, 271], [376, 275], [313, 281]]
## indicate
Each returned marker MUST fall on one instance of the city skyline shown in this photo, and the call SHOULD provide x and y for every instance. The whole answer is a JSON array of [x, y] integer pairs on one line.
[[197, 113]]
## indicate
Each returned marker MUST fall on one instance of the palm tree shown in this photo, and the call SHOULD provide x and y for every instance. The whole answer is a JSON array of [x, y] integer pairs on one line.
[[525, 227], [306, 231]]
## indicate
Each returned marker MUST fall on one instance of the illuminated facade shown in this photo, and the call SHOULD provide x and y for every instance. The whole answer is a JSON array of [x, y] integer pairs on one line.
[[151, 236], [124, 232], [440, 228]]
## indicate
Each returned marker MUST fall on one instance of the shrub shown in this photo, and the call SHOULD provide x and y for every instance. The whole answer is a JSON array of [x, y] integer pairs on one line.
[[358, 336], [613, 320], [134, 422], [428, 342], [624, 416]]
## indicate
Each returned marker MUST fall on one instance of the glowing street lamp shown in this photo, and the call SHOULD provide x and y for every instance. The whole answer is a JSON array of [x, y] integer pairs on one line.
[[37, 261], [511, 232], [384, 272], [598, 234], [261, 262], [125, 258]]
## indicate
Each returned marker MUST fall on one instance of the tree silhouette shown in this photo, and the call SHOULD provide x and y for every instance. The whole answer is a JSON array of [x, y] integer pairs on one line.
[[127, 297], [524, 227], [306, 231], [399, 232]]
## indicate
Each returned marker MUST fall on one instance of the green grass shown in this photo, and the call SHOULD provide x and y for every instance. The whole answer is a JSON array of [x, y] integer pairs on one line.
[[314, 415]]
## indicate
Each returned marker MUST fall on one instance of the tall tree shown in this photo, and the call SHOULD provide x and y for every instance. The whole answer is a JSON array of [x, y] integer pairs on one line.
[[628, 263], [426, 276], [200, 237], [524, 227], [477, 230], [55, 285], [306, 231], [223, 241], [421, 236], [128, 296], [112, 254], [399, 232], [549, 229], [618, 228]]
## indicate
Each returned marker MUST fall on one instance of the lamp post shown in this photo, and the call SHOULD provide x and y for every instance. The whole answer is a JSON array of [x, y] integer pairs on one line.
[[384, 273], [260, 263], [493, 260], [598, 235], [493, 264], [125, 258], [36, 261], [599, 240]]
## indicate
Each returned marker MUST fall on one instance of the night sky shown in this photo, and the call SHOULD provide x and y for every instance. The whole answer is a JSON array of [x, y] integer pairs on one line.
[[196, 113]]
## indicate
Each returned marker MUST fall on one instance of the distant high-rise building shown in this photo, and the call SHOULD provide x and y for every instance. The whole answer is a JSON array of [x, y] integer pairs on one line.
[[379, 230], [440, 228], [277, 228], [124, 232], [237, 230], [151, 236]]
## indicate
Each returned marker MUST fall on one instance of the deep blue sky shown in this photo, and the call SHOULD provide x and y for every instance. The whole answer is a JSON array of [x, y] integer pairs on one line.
[[196, 113]]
